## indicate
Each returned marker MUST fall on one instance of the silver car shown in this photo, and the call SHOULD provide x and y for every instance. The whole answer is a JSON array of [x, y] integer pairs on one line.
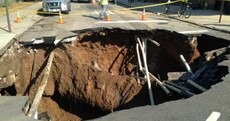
[[56, 6]]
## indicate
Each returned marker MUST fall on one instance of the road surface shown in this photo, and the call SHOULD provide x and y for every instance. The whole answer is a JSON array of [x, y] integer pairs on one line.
[[84, 16]]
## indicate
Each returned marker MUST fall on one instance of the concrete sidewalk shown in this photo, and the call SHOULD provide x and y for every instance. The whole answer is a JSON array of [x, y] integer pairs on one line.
[[204, 18], [28, 18]]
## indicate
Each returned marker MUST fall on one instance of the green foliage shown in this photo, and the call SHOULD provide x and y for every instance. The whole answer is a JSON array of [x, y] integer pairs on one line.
[[2, 2]]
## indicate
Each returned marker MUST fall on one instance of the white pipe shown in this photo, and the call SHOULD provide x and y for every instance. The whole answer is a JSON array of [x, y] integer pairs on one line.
[[154, 42], [137, 74], [145, 43], [138, 40], [147, 75], [186, 64], [138, 56], [161, 84]]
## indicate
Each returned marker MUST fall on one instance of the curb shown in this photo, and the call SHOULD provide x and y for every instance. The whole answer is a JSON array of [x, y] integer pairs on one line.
[[213, 28], [27, 28]]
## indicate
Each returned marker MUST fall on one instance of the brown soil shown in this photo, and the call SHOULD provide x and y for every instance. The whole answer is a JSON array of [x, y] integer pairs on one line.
[[99, 68]]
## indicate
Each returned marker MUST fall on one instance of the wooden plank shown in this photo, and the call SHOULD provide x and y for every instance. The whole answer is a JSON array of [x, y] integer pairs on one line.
[[41, 89]]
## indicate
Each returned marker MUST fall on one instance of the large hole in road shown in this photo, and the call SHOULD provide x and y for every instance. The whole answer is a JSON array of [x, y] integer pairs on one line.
[[99, 72]]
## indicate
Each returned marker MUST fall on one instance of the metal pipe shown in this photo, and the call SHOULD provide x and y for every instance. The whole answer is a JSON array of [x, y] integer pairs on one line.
[[138, 56], [161, 84], [147, 75], [178, 91], [154, 42], [196, 85], [145, 47], [180, 87], [186, 64], [137, 73]]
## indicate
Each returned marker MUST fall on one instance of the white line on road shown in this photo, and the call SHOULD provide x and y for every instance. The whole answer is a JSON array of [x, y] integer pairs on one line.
[[194, 32], [110, 12], [214, 116], [96, 12], [132, 21]]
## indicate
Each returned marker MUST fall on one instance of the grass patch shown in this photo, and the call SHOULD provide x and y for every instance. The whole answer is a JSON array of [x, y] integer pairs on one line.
[[14, 7]]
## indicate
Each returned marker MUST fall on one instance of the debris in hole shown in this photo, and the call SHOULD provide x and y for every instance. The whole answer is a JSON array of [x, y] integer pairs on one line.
[[99, 72]]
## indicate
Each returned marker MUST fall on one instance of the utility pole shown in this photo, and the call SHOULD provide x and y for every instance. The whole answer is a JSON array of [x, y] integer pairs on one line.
[[7, 14], [221, 10]]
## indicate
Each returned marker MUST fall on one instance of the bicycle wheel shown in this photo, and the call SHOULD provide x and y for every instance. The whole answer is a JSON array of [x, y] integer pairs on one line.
[[167, 8], [179, 12], [187, 12]]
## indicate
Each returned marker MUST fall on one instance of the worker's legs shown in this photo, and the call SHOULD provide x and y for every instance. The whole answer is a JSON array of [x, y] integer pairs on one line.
[[103, 12]]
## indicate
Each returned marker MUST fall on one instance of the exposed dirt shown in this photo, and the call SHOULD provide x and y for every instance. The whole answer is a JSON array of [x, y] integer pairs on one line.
[[98, 70]]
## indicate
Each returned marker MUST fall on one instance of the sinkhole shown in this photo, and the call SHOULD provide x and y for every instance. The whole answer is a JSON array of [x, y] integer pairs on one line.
[[100, 73]]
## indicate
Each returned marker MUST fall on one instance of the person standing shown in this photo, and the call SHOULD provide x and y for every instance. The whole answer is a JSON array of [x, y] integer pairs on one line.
[[103, 4]]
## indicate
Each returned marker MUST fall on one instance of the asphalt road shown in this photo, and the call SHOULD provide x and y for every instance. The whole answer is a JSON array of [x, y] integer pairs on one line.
[[84, 16]]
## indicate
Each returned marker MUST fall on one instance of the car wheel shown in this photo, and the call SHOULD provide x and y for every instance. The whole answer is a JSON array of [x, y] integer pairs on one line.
[[66, 12]]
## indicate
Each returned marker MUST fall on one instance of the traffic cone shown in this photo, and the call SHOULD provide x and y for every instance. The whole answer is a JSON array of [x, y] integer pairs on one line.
[[143, 15], [107, 18], [18, 19], [61, 21]]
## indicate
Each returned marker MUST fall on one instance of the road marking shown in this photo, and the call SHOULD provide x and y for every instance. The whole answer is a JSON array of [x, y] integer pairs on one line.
[[214, 116], [96, 12], [132, 21], [110, 12], [194, 32]]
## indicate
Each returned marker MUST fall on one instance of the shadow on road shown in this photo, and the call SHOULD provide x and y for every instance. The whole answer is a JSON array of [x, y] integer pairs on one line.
[[225, 25], [90, 16]]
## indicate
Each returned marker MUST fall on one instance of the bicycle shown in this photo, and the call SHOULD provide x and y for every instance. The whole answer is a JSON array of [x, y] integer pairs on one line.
[[185, 11]]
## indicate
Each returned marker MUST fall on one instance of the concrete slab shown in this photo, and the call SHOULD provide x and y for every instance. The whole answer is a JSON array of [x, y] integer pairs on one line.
[[6, 41], [11, 108]]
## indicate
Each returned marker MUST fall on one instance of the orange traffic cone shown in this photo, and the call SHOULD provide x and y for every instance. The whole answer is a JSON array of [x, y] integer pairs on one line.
[[143, 15], [18, 19], [107, 18], [61, 21]]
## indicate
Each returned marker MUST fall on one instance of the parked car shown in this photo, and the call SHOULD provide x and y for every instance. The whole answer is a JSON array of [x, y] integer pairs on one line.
[[56, 6]]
